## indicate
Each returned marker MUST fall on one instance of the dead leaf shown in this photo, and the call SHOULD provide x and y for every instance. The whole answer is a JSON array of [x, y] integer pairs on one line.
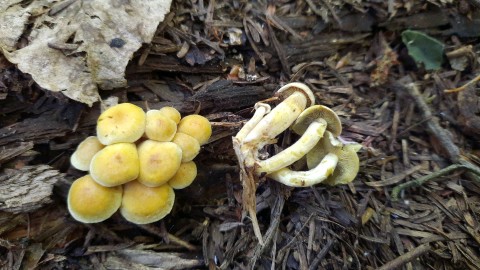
[[77, 47]]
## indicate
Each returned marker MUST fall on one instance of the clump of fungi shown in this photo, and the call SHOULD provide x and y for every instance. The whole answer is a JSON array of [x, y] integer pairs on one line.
[[135, 162], [328, 160]]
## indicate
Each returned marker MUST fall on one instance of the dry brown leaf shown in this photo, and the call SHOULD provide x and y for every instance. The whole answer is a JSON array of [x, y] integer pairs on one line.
[[78, 46]]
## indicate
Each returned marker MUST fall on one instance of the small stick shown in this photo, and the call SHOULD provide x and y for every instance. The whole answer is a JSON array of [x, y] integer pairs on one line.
[[405, 258], [463, 87], [420, 181]]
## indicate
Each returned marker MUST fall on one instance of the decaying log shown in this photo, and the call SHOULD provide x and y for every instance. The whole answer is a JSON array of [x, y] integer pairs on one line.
[[143, 259], [27, 189]]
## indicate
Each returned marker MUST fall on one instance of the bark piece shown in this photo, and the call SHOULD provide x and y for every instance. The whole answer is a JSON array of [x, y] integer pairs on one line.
[[27, 189]]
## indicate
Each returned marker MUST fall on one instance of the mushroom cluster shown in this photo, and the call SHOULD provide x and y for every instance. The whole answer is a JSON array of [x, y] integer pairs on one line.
[[328, 159], [135, 162]]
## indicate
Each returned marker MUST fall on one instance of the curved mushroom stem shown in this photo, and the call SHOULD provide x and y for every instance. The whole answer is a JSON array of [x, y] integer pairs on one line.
[[307, 178], [260, 110], [278, 120], [296, 151]]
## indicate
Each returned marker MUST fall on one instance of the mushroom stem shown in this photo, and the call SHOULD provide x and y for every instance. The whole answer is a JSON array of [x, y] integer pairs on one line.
[[307, 178], [260, 110], [296, 151], [278, 120]]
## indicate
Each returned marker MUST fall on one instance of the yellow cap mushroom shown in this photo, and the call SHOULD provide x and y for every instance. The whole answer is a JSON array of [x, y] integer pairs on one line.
[[189, 145], [84, 153], [159, 127], [159, 161], [142, 204], [89, 202], [196, 126], [184, 176], [171, 113], [121, 123], [115, 164]]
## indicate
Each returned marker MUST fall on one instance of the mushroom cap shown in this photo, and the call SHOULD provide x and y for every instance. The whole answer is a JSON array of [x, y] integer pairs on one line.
[[84, 153], [291, 88], [89, 202], [159, 127], [314, 112], [196, 126], [121, 123], [142, 204], [347, 166], [171, 113], [184, 176], [189, 145], [159, 161], [328, 144], [115, 164]]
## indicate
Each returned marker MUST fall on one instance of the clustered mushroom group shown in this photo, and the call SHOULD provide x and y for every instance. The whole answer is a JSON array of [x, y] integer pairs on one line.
[[328, 159], [135, 162]]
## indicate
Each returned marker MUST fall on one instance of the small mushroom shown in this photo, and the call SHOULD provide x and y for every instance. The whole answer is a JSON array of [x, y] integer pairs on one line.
[[334, 125], [143, 205], [115, 164], [348, 162], [189, 145], [159, 161], [89, 202], [171, 113], [121, 123], [311, 124], [196, 126], [184, 176], [159, 127], [296, 97], [84, 153], [296, 151]]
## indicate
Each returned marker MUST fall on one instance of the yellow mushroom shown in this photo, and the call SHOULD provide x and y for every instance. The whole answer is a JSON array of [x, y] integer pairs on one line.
[[196, 126], [159, 161], [84, 153], [142, 204], [159, 127], [184, 176], [121, 123], [115, 164], [189, 145], [89, 202], [171, 113]]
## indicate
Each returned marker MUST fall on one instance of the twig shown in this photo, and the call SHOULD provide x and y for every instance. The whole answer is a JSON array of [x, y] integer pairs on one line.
[[405, 258], [435, 130], [156, 231], [420, 181], [433, 126], [463, 87]]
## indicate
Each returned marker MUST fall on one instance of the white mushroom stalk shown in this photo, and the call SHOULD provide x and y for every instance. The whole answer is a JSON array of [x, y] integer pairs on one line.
[[307, 178], [296, 151], [282, 116], [260, 110]]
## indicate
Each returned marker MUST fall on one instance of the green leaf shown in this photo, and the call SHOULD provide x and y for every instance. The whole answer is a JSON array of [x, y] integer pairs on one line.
[[424, 49]]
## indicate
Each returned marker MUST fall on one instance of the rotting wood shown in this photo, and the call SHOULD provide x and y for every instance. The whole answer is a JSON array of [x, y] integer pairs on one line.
[[27, 189]]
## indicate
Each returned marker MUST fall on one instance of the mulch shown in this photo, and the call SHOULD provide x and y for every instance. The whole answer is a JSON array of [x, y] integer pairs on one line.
[[218, 58]]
